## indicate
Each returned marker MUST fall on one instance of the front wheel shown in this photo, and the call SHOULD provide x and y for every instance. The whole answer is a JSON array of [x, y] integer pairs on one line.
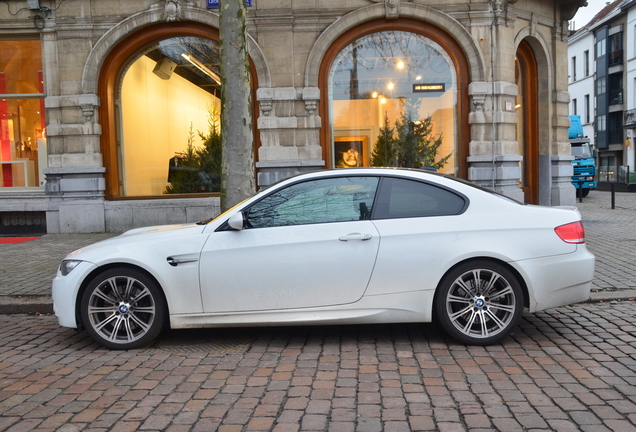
[[479, 303], [123, 309]]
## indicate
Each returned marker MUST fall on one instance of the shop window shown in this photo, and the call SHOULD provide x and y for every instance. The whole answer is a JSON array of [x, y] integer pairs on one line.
[[393, 102], [23, 153], [169, 140]]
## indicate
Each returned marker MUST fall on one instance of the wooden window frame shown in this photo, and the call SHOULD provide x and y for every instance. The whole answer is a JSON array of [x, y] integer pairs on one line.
[[115, 65], [453, 49]]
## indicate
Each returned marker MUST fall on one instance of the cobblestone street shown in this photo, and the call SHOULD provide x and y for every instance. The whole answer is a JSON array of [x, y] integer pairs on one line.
[[567, 369]]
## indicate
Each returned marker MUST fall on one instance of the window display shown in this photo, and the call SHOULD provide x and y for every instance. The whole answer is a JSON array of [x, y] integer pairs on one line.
[[22, 126], [170, 107], [393, 100]]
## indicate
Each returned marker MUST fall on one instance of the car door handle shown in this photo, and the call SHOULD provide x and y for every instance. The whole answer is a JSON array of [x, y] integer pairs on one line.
[[355, 236]]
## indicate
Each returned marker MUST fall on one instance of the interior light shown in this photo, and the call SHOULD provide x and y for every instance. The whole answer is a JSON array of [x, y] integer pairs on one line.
[[518, 106], [400, 64], [390, 86], [382, 100], [202, 67], [419, 77], [374, 94]]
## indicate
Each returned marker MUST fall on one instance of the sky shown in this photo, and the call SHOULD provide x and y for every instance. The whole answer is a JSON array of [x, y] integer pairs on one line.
[[585, 14]]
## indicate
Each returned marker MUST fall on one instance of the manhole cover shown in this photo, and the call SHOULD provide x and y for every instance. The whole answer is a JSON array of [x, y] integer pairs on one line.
[[181, 342]]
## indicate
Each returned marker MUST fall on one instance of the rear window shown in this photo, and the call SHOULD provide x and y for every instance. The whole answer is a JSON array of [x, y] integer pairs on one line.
[[401, 198]]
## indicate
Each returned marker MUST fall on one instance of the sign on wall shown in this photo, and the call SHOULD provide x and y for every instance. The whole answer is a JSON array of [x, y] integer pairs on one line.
[[214, 4], [425, 88]]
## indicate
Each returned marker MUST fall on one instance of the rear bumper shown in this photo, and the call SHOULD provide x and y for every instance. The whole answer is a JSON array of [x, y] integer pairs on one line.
[[558, 280], [585, 185]]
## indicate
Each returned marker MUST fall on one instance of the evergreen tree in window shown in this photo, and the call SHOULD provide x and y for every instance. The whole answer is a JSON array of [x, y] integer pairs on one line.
[[198, 169], [184, 170], [415, 145], [384, 150], [211, 153]]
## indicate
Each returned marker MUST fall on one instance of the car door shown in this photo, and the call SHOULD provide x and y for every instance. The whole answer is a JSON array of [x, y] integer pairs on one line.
[[308, 244], [421, 226]]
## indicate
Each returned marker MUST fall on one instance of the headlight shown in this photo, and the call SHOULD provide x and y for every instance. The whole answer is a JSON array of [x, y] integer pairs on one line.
[[67, 266]]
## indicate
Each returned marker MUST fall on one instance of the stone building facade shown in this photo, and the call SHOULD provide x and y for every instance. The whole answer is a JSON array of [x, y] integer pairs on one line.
[[116, 93]]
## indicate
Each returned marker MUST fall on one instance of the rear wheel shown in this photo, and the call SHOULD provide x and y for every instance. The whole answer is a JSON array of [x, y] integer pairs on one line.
[[479, 302], [123, 309]]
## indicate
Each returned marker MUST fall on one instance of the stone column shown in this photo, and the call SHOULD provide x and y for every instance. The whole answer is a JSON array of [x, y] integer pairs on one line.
[[493, 152], [562, 191], [75, 177], [289, 132]]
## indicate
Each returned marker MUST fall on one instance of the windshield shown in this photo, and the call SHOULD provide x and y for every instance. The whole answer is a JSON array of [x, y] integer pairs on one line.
[[583, 151]]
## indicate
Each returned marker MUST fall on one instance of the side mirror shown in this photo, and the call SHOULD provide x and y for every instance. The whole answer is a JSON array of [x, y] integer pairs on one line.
[[236, 221]]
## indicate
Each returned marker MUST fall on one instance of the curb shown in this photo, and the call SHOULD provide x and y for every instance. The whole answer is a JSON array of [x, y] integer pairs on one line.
[[35, 304], [43, 304], [603, 296]]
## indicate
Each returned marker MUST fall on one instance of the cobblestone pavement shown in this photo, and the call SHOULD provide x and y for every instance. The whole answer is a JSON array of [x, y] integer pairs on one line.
[[567, 369], [611, 236], [28, 268]]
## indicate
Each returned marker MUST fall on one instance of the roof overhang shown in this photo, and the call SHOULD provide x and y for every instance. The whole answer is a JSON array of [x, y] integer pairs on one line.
[[569, 8]]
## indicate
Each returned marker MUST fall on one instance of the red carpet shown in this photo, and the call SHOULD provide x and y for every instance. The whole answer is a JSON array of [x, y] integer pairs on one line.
[[15, 240]]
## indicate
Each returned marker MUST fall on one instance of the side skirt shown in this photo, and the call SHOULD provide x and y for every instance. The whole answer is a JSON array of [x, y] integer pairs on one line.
[[407, 307]]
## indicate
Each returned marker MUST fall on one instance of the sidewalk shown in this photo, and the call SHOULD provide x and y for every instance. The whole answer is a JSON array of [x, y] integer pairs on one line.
[[28, 268]]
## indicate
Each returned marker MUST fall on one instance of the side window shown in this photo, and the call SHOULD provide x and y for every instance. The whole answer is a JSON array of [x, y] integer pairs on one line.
[[400, 198], [338, 199]]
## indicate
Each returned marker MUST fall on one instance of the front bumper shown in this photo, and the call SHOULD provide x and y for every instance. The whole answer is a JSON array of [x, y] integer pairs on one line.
[[65, 291]]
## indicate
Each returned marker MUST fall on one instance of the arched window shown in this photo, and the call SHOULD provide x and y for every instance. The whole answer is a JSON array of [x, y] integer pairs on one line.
[[396, 98], [170, 102], [160, 92]]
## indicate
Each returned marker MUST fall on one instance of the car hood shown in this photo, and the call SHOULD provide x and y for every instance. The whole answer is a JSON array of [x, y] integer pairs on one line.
[[135, 239]]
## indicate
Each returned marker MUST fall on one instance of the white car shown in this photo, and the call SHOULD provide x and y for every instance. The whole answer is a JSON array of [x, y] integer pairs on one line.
[[348, 246]]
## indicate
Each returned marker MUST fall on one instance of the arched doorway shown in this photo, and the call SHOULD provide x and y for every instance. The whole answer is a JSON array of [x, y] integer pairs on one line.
[[159, 91], [526, 78], [383, 76]]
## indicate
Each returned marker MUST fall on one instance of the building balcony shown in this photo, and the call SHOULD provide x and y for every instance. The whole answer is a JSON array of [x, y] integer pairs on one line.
[[616, 136], [629, 118], [616, 97], [615, 58]]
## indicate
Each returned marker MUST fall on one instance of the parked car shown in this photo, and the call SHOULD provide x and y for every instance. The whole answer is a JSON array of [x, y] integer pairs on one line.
[[343, 246]]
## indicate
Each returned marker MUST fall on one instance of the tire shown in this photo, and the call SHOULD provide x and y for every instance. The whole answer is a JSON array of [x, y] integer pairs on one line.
[[586, 192], [479, 302], [123, 308]]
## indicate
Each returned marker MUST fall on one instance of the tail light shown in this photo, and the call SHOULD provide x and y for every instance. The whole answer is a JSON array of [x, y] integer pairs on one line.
[[571, 233]]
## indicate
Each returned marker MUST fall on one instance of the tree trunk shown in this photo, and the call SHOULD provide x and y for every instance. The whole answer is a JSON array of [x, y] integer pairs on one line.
[[237, 178]]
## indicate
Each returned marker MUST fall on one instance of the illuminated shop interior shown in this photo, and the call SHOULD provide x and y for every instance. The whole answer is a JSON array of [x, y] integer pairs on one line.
[[23, 153], [378, 78], [170, 95]]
